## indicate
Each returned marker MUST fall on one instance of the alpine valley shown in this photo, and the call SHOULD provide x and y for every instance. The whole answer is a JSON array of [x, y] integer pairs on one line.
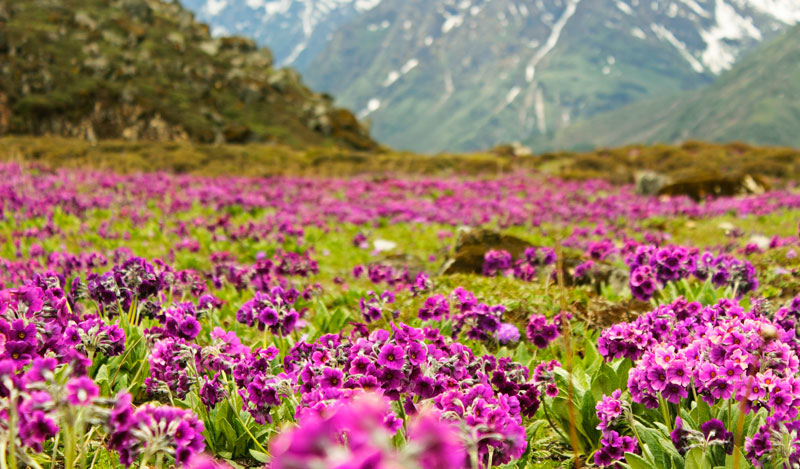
[[434, 75]]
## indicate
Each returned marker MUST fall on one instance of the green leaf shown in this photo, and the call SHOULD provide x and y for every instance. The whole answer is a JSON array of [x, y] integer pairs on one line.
[[259, 456], [637, 462], [592, 359], [102, 380], [695, 460], [743, 462], [757, 421], [227, 430], [122, 382], [622, 368], [701, 412]]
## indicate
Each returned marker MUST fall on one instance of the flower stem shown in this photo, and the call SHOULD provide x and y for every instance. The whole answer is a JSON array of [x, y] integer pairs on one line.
[[566, 333], [730, 414], [55, 449], [235, 409], [3, 447], [12, 430], [636, 433], [665, 412]]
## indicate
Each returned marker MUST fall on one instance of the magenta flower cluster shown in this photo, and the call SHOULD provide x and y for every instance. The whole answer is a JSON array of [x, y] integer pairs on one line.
[[652, 267], [613, 446], [149, 430], [480, 320], [500, 262], [419, 366], [541, 332], [351, 432], [273, 310]]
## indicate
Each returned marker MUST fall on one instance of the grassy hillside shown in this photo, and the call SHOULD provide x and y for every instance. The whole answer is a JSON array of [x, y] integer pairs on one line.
[[758, 101], [145, 70]]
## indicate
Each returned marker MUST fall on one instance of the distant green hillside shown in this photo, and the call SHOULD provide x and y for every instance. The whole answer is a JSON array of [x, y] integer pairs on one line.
[[145, 70], [757, 101]]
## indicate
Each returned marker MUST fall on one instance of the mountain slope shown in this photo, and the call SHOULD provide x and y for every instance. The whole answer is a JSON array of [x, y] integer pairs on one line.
[[459, 75], [296, 30], [144, 69], [757, 101]]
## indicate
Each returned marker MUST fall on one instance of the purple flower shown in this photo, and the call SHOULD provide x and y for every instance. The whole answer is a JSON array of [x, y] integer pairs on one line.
[[679, 436], [81, 391], [539, 332], [678, 373], [436, 307], [507, 333], [674, 393], [496, 261], [331, 378], [392, 357], [212, 391], [417, 353], [438, 442], [609, 409], [21, 332], [36, 428], [714, 431]]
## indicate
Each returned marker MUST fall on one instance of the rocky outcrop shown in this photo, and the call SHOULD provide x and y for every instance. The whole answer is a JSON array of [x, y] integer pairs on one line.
[[703, 186], [512, 150], [473, 244], [650, 182], [145, 70]]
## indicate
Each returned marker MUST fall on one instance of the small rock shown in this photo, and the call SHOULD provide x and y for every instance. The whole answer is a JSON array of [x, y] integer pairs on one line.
[[236, 133], [85, 21], [761, 241], [97, 64], [92, 49], [650, 182], [382, 245], [513, 150], [113, 38], [209, 47], [176, 39]]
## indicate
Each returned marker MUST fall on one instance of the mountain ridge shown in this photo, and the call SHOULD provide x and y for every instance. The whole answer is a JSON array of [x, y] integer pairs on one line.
[[467, 74], [757, 101]]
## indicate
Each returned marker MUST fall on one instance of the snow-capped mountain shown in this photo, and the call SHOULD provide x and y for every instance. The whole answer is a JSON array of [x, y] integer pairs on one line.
[[295, 30], [432, 75]]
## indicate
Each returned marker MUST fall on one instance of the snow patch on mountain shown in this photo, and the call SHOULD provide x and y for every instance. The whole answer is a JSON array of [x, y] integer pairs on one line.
[[666, 35], [410, 65], [394, 75], [452, 21], [213, 7], [552, 39], [366, 5], [624, 7], [721, 52], [786, 11], [697, 9], [512, 94], [373, 105]]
